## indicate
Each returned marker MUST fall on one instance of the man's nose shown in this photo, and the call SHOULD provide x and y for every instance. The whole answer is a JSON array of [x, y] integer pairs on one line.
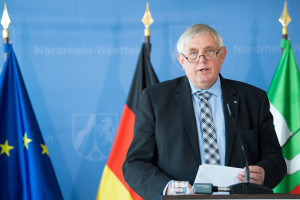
[[202, 58]]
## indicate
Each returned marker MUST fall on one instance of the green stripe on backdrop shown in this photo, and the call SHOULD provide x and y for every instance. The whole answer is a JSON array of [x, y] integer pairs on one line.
[[292, 147], [288, 183]]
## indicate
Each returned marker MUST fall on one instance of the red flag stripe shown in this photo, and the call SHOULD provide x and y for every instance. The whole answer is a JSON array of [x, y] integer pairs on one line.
[[296, 190], [121, 143], [120, 147]]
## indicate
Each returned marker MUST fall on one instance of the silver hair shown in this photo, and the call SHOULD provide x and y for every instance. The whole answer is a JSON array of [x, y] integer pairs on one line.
[[195, 30]]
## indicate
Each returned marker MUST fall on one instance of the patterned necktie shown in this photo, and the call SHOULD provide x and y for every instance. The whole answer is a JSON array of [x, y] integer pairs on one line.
[[211, 148]]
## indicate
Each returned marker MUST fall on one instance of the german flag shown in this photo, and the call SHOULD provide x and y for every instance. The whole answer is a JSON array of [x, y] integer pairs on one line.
[[113, 185]]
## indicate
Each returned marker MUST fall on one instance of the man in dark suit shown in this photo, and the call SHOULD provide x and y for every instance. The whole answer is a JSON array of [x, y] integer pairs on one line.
[[169, 142]]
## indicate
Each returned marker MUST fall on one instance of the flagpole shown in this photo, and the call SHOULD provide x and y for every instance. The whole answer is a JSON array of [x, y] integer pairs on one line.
[[285, 19], [147, 21], [5, 21]]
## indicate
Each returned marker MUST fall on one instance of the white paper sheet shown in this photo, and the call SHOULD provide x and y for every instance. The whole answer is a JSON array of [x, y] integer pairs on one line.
[[219, 176]]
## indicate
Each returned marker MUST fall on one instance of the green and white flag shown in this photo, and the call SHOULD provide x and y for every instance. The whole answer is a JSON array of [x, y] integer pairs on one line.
[[284, 96]]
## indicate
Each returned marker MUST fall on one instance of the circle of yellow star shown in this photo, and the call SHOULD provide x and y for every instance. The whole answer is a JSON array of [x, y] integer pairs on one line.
[[5, 148], [26, 140], [45, 150]]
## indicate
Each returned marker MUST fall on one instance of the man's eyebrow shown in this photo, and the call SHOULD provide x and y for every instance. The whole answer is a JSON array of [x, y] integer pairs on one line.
[[193, 49], [206, 48], [211, 47]]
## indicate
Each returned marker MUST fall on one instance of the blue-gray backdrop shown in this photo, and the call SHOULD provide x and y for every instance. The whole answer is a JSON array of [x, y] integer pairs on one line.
[[78, 58]]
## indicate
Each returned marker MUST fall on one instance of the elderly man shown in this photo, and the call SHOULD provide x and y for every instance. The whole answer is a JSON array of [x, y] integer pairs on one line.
[[183, 123]]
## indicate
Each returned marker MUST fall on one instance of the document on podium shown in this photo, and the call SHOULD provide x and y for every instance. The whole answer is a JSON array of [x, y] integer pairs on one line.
[[220, 176]]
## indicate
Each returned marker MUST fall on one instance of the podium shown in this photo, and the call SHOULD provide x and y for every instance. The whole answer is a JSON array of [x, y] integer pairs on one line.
[[231, 196]]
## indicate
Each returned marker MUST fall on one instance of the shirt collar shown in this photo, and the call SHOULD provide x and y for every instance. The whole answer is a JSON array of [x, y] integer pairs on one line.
[[215, 89]]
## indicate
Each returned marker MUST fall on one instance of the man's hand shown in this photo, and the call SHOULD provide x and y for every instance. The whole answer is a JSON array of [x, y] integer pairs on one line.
[[189, 192], [257, 175]]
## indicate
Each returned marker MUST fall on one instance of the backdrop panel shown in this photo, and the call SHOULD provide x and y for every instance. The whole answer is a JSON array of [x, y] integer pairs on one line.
[[78, 59]]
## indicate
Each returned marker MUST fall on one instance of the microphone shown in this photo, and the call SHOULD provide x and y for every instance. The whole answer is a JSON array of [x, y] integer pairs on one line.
[[247, 173], [246, 187]]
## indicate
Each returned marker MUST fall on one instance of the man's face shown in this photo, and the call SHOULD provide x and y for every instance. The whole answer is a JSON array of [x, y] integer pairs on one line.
[[204, 73]]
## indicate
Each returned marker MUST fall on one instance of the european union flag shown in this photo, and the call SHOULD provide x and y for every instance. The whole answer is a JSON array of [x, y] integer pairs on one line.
[[26, 171]]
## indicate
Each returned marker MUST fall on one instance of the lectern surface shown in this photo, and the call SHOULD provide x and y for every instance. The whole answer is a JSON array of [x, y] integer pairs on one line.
[[232, 196]]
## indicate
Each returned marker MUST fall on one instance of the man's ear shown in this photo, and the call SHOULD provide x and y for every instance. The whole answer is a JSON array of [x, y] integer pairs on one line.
[[223, 54], [180, 59]]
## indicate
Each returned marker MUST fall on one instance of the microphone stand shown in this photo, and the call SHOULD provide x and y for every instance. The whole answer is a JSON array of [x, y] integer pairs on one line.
[[246, 187]]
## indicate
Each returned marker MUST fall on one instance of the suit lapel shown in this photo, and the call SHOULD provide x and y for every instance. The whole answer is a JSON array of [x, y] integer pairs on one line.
[[231, 97], [185, 104]]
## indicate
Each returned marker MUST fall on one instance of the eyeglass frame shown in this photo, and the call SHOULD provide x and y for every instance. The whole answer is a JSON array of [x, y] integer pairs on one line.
[[200, 56]]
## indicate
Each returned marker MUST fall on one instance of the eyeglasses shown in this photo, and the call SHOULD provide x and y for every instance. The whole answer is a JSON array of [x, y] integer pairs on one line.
[[195, 57]]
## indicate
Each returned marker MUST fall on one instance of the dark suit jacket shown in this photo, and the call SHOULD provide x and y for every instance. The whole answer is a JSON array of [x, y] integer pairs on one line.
[[165, 145]]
